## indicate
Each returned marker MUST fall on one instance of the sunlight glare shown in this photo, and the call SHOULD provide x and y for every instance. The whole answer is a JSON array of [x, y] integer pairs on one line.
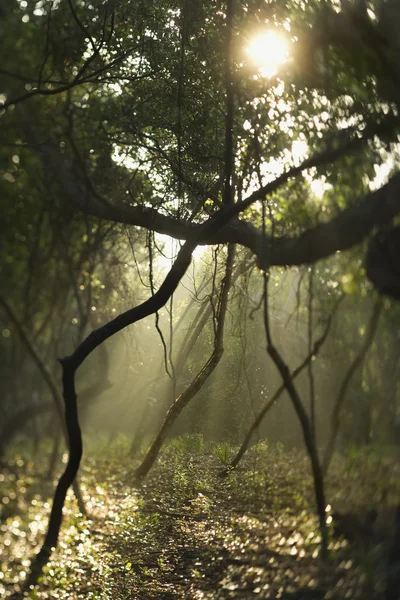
[[268, 51]]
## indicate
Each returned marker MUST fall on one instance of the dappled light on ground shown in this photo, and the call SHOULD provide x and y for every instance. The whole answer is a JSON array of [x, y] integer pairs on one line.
[[185, 533]]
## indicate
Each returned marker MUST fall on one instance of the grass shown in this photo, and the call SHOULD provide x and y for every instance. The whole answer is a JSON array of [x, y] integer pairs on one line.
[[185, 533]]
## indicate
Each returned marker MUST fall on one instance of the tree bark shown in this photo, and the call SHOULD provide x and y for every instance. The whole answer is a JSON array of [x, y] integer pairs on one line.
[[66, 479]]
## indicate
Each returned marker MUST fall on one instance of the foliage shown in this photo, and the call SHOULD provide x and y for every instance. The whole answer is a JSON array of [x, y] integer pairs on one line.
[[253, 533], [223, 452]]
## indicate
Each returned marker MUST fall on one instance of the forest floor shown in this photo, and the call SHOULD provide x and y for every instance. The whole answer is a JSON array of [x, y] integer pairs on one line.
[[185, 533]]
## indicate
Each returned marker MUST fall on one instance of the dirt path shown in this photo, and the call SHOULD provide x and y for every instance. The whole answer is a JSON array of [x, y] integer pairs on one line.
[[187, 534]]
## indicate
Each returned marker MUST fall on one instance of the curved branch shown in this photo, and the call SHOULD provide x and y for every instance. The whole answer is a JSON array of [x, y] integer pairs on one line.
[[313, 352], [70, 365], [348, 229], [197, 383], [64, 87], [344, 231], [304, 420]]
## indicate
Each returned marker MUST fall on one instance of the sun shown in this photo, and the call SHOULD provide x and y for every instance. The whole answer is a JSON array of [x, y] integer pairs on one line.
[[268, 51]]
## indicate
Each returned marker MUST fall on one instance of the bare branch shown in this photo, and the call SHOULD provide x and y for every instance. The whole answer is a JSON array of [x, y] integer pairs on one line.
[[201, 377], [344, 231], [266, 408]]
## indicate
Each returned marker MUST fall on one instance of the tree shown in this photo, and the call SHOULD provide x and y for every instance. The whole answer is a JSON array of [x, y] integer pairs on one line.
[[147, 117]]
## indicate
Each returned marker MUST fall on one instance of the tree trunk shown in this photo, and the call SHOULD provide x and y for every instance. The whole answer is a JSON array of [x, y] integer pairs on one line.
[[70, 365], [185, 349], [305, 425], [262, 413], [182, 401]]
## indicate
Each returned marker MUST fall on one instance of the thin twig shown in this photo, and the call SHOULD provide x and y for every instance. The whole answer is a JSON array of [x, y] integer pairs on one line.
[[157, 314]]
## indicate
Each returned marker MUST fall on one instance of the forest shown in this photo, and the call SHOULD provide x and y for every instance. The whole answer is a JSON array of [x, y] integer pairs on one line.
[[200, 299]]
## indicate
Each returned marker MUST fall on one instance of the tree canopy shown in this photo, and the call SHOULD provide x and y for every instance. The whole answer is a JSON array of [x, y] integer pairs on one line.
[[131, 102]]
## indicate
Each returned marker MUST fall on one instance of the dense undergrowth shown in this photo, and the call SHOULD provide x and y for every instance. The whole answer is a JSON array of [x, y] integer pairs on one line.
[[187, 533]]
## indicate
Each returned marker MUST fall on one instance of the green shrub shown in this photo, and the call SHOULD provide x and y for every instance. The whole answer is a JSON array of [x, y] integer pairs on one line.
[[223, 452]]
